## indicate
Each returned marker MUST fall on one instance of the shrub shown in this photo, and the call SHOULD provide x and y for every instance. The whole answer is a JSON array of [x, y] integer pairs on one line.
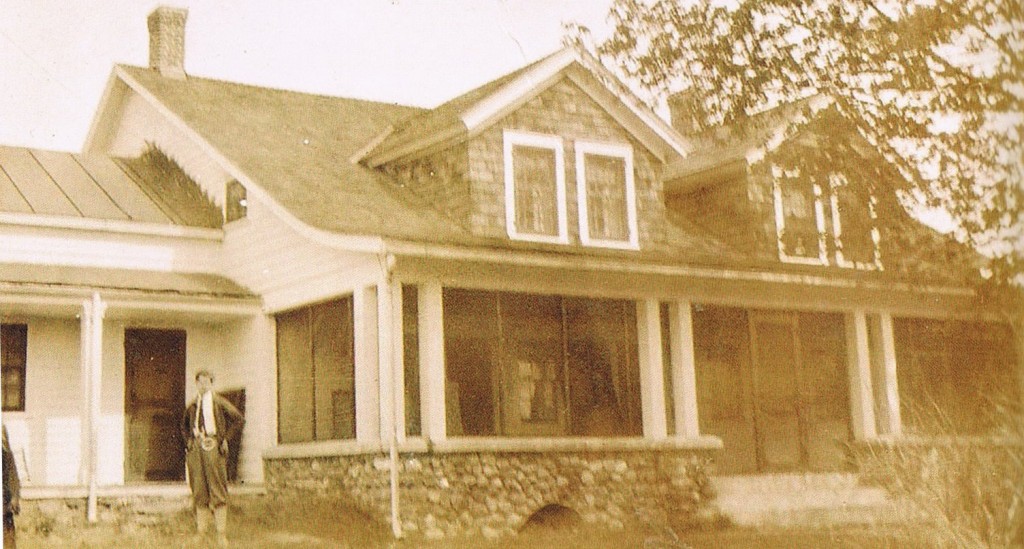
[[969, 491]]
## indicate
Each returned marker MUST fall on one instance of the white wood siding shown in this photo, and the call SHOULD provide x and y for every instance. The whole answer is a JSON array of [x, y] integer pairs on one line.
[[49, 431], [141, 124], [248, 363], [272, 259], [53, 246]]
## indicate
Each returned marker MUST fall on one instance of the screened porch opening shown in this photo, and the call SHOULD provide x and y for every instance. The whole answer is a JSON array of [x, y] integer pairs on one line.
[[536, 365], [316, 372], [955, 377]]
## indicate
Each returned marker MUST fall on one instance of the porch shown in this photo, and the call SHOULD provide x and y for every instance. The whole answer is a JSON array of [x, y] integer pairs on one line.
[[96, 369], [447, 368]]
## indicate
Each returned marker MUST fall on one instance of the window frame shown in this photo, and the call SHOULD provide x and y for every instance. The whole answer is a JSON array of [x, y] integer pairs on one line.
[[610, 150], [23, 367], [836, 183], [512, 139], [780, 226]]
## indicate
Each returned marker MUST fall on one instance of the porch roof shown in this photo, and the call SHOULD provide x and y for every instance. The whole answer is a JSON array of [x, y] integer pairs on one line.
[[56, 183], [58, 277]]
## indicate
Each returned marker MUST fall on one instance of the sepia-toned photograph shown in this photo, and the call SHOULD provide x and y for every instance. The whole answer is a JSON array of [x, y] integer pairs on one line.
[[654, 274]]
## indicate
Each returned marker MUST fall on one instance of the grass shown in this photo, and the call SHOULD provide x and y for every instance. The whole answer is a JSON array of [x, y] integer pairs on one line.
[[279, 523]]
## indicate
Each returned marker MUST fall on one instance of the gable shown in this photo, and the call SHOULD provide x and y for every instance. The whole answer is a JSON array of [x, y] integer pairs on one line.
[[474, 112], [566, 112], [833, 186]]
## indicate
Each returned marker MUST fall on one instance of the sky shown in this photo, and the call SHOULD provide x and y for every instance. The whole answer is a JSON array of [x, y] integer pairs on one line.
[[56, 55]]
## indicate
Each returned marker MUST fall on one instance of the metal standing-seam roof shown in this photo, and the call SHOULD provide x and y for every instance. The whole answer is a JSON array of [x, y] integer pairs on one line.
[[34, 181]]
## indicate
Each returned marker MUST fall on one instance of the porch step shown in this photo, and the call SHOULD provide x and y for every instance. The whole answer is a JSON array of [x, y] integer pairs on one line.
[[805, 499]]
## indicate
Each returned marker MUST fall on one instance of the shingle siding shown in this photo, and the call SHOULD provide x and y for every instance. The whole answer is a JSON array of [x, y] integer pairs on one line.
[[441, 179], [566, 111], [730, 211]]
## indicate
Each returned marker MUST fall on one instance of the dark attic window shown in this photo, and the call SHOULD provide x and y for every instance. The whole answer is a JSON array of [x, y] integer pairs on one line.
[[171, 188], [237, 205]]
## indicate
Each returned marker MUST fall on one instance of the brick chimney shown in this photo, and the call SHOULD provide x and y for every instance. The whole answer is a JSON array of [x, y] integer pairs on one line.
[[167, 41], [682, 110]]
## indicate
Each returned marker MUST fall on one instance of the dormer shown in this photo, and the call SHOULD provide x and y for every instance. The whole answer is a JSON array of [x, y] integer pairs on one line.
[[768, 187], [555, 154]]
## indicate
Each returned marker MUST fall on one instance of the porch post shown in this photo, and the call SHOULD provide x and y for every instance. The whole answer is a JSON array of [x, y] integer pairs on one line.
[[86, 469], [862, 407], [367, 372], [96, 311], [684, 373], [652, 368], [389, 359], [433, 406], [893, 422]]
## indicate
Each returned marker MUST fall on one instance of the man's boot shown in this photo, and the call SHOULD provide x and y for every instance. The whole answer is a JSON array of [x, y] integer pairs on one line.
[[220, 518], [202, 520]]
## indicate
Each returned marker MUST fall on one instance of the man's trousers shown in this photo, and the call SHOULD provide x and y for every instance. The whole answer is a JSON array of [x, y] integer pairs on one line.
[[208, 476]]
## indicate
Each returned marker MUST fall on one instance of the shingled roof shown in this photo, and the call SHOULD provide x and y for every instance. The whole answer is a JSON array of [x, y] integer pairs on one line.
[[297, 147]]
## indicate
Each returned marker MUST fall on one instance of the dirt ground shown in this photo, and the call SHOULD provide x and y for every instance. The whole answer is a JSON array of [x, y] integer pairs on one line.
[[271, 523]]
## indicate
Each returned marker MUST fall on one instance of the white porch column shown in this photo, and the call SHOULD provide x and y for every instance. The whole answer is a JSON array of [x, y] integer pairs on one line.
[[367, 370], [389, 360], [652, 368], [893, 423], [684, 372], [95, 310], [86, 469], [433, 406], [862, 406]]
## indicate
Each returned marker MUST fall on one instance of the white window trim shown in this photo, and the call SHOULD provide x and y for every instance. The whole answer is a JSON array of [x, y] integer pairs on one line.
[[780, 226], [837, 227], [617, 150], [527, 139]]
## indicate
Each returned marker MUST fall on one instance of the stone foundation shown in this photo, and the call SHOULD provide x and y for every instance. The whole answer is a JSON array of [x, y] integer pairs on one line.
[[493, 493]]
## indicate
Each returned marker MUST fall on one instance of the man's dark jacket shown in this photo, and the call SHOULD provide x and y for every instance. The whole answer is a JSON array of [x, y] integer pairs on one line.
[[226, 417]]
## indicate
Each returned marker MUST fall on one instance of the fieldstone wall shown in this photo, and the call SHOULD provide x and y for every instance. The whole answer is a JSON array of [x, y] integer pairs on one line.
[[492, 494]]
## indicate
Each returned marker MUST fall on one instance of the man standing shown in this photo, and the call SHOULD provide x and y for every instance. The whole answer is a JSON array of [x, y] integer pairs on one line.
[[208, 424]]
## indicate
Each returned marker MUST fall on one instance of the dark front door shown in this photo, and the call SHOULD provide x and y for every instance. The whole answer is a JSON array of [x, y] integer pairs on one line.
[[154, 403]]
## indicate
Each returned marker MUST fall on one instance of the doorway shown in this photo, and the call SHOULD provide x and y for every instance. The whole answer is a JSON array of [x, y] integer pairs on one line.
[[773, 386], [154, 404]]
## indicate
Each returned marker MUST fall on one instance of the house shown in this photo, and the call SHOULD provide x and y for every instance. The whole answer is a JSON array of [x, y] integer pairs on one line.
[[538, 293]]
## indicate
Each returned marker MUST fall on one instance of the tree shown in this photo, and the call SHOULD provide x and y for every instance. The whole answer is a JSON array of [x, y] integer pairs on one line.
[[937, 86]]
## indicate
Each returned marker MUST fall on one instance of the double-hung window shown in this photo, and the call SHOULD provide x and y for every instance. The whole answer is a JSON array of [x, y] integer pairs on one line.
[[799, 219], [801, 207], [13, 359], [535, 187], [853, 221], [606, 195]]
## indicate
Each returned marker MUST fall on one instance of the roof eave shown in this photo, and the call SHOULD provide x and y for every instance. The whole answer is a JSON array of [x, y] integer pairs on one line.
[[681, 179]]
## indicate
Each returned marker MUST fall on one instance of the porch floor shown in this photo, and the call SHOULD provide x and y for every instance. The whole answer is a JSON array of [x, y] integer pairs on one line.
[[165, 490]]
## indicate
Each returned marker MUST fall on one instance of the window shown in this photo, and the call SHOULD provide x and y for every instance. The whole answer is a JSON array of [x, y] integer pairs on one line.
[[316, 373], [853, 220], [535, 187], [799, 219], [236, 202], [606, 195], [14, 358], [800, 210]]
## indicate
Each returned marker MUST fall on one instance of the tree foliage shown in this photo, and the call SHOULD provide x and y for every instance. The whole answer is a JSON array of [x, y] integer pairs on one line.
[[937, 86]]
